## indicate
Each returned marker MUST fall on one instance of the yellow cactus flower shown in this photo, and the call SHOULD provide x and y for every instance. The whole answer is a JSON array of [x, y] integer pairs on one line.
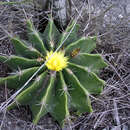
[[56, 61]]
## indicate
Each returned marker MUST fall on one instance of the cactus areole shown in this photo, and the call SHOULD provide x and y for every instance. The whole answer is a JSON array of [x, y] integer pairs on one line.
[[67, 79]]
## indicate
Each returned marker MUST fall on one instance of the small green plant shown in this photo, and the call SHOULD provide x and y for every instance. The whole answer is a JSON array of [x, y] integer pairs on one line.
[[67, 79]]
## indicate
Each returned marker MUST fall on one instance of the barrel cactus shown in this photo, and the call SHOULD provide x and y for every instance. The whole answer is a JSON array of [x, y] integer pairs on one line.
[[67, 79]]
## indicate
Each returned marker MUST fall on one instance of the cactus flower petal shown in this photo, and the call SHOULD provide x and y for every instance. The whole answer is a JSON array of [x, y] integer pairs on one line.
[[56, 61]]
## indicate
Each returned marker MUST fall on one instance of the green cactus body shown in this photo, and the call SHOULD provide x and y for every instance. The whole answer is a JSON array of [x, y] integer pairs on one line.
[[67, 79]]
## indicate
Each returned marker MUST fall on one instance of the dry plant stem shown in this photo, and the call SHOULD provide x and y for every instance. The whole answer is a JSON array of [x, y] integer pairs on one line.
[[115, 113], [103, 113], [117, 74], [76, 9], [12, 3], [3, 120], [5, 104], [90, 19], [98, 120]]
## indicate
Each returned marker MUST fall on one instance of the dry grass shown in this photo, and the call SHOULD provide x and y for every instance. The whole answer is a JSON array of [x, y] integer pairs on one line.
[[110, 22]]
